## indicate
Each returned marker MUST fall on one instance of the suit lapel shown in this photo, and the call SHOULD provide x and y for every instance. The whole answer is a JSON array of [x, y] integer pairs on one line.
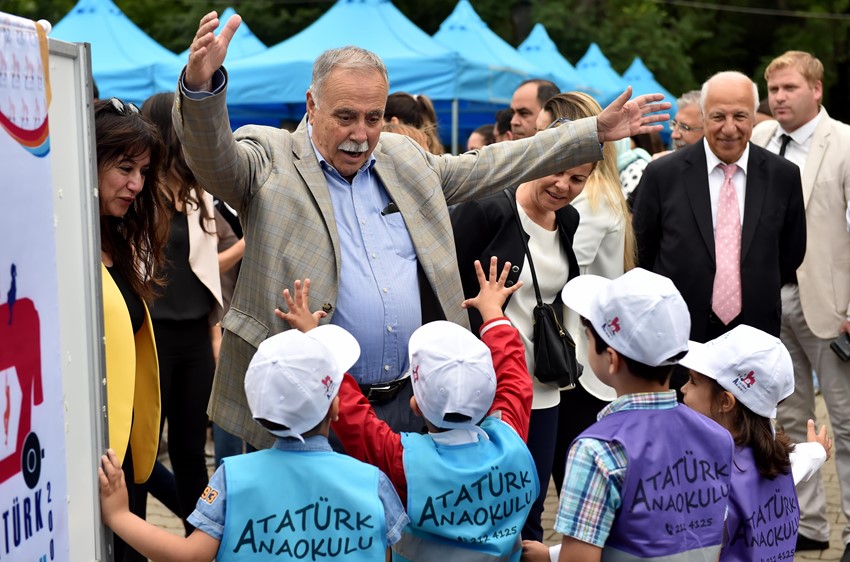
[[304, 158], [695, 178], [754, 197], [820, 142]]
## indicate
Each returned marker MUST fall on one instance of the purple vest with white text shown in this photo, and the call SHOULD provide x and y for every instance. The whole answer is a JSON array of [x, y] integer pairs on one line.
[[676, 486], [763, 514]]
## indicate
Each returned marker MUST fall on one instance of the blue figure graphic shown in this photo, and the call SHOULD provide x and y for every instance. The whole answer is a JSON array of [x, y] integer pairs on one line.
[[10, 295]]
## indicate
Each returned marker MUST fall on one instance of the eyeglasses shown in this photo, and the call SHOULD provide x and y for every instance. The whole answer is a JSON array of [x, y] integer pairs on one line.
[[558, 122], [685, 128], [119, 107]]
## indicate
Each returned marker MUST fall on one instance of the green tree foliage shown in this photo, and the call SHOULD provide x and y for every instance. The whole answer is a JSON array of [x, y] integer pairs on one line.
[[682, 44]]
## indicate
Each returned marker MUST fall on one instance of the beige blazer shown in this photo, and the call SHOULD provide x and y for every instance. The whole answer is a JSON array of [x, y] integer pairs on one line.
[[824, 276], [203, 253], [273, 179]]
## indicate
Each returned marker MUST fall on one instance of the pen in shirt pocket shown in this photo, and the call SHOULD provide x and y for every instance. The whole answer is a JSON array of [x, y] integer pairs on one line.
[[389, 209]]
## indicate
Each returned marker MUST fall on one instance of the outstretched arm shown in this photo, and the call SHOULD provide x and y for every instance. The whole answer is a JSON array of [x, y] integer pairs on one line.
[[152, 542], [625, 117], [207, 52]]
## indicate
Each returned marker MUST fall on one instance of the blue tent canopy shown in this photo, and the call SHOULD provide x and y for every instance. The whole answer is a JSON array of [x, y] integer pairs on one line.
[[539, 49], [126, 63], [643, 82], [490, 68], [604, 82], [244, 43], [281, 74]]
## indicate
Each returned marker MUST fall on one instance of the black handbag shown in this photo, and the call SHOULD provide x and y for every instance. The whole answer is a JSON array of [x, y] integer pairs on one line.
[[554, 348]]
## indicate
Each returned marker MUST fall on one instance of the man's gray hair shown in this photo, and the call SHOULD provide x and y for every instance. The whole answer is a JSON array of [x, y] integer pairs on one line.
[[688, 98], [349, 58], [729, 75]]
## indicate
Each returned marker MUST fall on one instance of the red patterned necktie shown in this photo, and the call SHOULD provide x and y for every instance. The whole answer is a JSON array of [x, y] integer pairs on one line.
[[726, 295]]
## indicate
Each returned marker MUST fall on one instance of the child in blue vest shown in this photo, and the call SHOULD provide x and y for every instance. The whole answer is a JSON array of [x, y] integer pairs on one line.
[[296, 501], [635, 488], [737, 380], [469, 483]]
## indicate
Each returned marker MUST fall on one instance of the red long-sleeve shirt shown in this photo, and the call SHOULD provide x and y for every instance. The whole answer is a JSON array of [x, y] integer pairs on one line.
[[369, 439]]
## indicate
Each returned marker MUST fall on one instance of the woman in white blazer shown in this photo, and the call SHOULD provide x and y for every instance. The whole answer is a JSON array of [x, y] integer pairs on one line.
[[186, 314]]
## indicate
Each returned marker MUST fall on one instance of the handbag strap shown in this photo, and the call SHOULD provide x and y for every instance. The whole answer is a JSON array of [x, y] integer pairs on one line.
[[522, 235]]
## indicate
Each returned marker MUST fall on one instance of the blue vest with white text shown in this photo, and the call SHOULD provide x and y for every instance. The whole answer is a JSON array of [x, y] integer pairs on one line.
[[763, 514], [676, 487], [302, 505], [467, 502]]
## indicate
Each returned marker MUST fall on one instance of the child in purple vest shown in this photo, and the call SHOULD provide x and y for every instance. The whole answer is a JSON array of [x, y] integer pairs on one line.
[[737, 380], [635, 488]]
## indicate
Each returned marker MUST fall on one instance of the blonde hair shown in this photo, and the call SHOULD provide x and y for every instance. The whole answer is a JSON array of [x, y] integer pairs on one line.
[[409, 131], [604, 181], [809, 66]]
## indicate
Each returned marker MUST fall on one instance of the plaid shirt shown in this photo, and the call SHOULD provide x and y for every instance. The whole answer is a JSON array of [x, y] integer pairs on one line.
[[595, 473]]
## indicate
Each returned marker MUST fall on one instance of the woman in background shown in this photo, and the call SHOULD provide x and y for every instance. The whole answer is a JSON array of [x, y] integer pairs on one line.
[[133, 237], [417, 111], [604, 245], [186, 315], [489, 227]]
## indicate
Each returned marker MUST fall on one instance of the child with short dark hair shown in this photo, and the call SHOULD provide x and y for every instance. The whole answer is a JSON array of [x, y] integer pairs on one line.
[[470, 482], [298, 500], [634, 488]]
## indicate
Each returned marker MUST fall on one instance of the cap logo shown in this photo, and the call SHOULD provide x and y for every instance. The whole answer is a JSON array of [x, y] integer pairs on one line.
[[415, 373], [328, 383], [612, 327], [745, 381]]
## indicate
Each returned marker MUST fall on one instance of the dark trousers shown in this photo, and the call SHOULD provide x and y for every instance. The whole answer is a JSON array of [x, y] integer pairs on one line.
[[542, 434], [122, 551], [578, 410], [186, 368]]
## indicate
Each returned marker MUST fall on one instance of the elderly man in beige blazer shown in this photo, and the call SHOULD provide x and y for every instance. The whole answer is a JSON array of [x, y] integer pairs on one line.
[[300, 198], [815, 306]]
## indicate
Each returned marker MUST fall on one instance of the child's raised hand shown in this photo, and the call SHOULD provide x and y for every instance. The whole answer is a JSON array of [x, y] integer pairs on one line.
[[493, 293], [113, 489], [819, 437], [299, 315]]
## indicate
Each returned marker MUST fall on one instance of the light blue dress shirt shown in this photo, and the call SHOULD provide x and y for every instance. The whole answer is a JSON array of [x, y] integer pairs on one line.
[[378, 299]]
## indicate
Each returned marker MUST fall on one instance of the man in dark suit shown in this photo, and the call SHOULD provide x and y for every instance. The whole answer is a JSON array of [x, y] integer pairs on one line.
[[723, 218]]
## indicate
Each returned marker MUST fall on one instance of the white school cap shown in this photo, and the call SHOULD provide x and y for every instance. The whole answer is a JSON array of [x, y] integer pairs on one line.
[[639, 314], [294, 376], [751, 364], [452, 373]]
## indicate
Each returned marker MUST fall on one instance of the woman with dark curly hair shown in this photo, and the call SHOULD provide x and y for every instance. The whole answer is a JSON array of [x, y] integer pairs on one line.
[[133, 237]]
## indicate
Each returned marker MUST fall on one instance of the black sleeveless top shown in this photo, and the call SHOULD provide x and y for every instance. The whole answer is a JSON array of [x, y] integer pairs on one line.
[[134, 303]]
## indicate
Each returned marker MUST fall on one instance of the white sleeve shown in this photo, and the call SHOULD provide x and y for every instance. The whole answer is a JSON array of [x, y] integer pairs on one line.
[[806, 459], [848, 216], [554, 553]]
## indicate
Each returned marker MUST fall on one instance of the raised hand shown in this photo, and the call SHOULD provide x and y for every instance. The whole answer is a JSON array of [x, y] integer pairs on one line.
[[299, 315], [493, 293], [207, 52], [819, 437], [625, 118]]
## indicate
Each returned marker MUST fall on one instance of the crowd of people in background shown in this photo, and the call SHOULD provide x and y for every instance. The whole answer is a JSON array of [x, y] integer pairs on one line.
[[382, 325]]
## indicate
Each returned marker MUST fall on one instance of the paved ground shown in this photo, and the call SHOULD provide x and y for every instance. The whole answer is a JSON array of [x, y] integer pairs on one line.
[[161, 517]]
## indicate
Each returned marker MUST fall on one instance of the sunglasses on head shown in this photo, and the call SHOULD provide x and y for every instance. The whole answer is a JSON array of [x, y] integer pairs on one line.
[[558, 122], [121, 108]]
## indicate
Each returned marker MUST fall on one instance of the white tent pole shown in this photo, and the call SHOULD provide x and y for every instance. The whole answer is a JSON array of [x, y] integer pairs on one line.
[[455, 124]]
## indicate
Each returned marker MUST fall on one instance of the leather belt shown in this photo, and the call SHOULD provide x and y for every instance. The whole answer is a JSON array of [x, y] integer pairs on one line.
[[383, 392]]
